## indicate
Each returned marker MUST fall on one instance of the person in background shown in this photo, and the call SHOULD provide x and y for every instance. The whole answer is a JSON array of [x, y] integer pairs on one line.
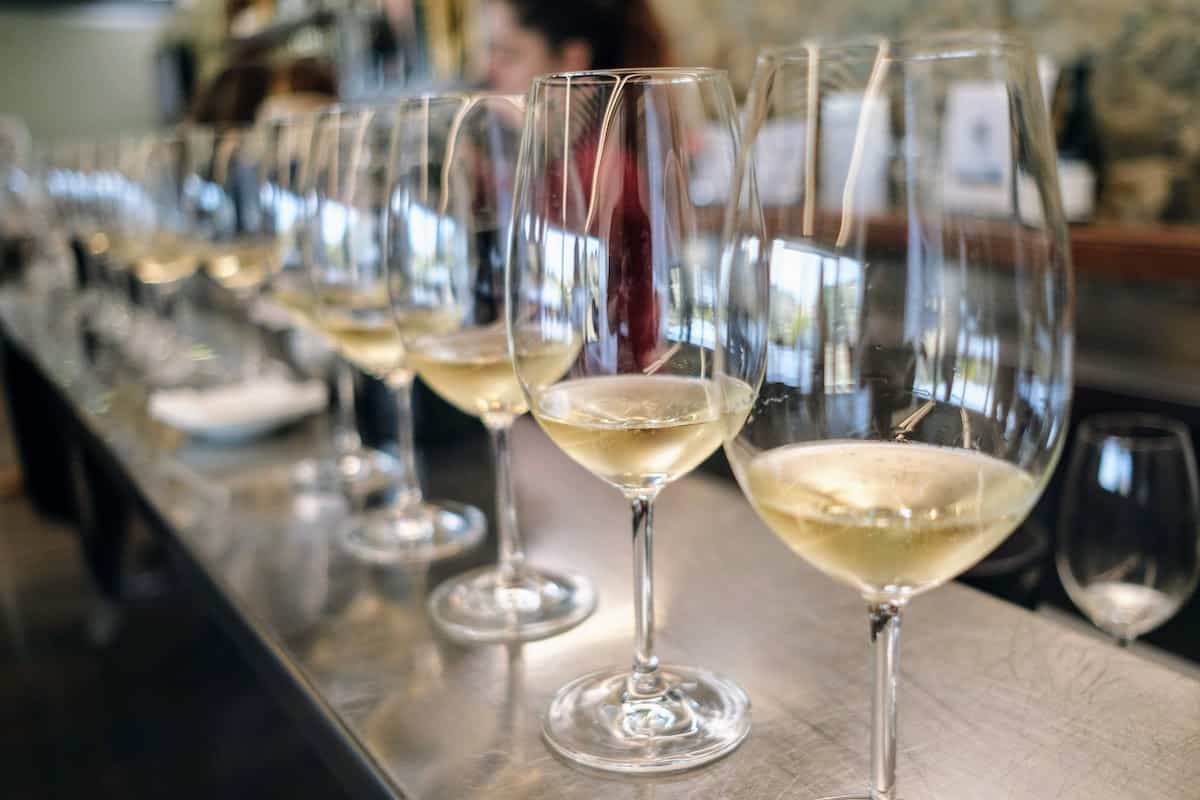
[[233, 96], [245, 92], [300, 86], [531, 37]]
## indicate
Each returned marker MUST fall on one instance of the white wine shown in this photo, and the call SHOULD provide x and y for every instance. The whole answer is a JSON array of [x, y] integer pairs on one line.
[[641, 431], [294, 292], [472, 370], [888, 518], [372, 345], [164, 259], [374, 342], [242, 265]]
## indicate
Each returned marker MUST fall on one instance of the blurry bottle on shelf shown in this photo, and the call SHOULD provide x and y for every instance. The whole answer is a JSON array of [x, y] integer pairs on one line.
[[392, 47], [375, 50], [450, 30], [1080, 152]]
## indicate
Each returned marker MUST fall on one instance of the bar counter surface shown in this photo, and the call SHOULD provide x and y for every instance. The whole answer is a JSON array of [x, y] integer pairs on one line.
[[995, 702]]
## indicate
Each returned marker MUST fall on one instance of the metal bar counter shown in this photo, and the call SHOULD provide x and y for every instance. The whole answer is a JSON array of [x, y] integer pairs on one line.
[[995, 702]]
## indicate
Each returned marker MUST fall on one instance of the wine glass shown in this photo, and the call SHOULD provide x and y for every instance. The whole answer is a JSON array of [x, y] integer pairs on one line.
[[154, 251], [290, 301], [1129, 527], [352, 148], [451, 200], [613, 258], [162, 245], [916, 337], [225, 199], [287, 142]]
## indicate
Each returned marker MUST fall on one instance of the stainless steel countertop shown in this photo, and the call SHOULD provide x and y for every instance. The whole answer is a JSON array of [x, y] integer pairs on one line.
[[995, 701]]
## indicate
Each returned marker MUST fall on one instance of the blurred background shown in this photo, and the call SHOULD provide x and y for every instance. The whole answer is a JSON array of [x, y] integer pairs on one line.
[[100, 67]]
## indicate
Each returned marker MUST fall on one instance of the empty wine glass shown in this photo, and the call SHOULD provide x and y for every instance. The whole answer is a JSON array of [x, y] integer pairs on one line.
[[352, 149], [914, 338], [1129, 527], [451, 200], [613, 260]]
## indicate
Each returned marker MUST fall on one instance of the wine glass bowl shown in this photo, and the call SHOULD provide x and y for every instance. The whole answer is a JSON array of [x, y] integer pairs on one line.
[[1128, 549], [612, 261], [907, 302]]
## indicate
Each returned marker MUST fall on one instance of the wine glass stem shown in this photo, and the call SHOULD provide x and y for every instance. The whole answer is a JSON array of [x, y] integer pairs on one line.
[[512, 548], [885, 640], [646, 681], [408, 488], [345, 433]]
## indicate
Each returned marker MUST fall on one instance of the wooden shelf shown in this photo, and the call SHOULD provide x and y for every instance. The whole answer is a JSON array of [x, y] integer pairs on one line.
[[1137, 252], [1100, 250]]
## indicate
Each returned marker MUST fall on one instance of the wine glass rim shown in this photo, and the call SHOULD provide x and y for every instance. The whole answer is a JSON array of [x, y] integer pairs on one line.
[[457, 95], [350, 107], [1135, 430], [948, 44], [651, 75]]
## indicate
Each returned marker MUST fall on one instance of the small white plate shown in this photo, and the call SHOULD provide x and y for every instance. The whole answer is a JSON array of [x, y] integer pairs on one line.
[[238, 412]]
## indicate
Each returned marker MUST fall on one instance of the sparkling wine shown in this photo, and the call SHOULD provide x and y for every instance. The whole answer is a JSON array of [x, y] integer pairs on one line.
[[472, 369], [641, 431], [1125, 609], [242, 265], [889, 518]]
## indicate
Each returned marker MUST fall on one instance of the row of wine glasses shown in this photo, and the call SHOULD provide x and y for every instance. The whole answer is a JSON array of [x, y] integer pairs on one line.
[[654, 276]]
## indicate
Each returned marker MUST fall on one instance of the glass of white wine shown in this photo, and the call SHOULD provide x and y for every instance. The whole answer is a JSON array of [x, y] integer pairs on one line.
[[161, 245], [912, 307], [226, 201], [448, 217], [289, 300], [158, 246], [1129, 528], [344, 240], [612, 255]]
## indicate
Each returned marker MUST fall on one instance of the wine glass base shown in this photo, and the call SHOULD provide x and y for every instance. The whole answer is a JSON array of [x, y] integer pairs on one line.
[[595, 722], [413, 533], [365, 475], [481, 607]]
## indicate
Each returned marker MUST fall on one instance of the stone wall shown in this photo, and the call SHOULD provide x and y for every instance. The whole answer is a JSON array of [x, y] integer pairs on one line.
[[1145, 89]]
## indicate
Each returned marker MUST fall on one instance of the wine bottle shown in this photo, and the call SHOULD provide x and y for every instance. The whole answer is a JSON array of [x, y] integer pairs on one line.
[[1080, 151]]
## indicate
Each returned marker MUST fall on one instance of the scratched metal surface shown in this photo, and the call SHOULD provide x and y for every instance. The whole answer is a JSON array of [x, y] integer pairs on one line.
[[995, 702]]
